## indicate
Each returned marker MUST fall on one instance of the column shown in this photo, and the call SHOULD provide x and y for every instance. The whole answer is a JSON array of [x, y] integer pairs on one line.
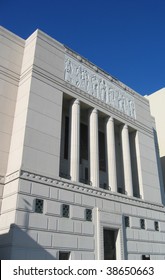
[[127, 160], [138, 157], [94, 147], [111, 154], [75, 140]]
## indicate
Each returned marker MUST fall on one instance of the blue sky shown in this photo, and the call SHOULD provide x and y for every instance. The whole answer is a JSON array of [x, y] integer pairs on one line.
[[126, 38]]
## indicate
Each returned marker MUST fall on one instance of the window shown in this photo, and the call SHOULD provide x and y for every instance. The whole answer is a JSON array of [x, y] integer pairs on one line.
[[66, 138], [102, 153], [65, 210], [83, 141], [88, 215], [142, 223], [121, 190], [39, 203], [109, 237], [145, 257], [127, 222], [156, 226], [64, 255]]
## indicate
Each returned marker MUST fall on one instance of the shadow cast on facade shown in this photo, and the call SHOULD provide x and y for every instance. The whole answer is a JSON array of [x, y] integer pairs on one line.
[[161, 167], [162, 159], [17, 244]]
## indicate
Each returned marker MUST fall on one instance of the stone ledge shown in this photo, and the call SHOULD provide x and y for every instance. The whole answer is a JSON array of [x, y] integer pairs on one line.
[[84, 189]]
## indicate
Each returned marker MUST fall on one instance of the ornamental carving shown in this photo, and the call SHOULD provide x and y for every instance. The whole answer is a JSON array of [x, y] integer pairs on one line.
[[101, 88]]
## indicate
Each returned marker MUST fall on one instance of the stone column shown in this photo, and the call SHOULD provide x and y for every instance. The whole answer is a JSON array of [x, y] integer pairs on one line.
[[127, 160], [111, 154], [75, 140], [94, 147]]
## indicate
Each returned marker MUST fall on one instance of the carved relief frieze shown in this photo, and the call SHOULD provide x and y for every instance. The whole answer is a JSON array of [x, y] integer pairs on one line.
[[96, 85]]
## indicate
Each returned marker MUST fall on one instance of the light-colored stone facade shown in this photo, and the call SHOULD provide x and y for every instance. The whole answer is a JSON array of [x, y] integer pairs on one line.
[[73, 137], [157, 101]]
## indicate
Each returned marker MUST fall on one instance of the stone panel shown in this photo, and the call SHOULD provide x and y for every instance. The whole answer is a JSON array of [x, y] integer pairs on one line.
[[65, 225], [88, 228], [25, 186], [85, 243], [131, 246], [108, 205], [53, 208], [88, 201], [54, 193], [135, 222], [45, 239], [25, 202], [38, 221], [77, 227], [78, 213], [64, 241], [129, 233], [66, 196], [40, 190], [22, 219], [88, 256], [52, 223]]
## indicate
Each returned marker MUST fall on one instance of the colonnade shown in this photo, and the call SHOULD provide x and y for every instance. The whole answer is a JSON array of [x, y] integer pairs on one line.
[[94, 150]]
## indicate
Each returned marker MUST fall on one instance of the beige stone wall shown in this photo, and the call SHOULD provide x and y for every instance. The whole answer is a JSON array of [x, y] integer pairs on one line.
[[157, 101]]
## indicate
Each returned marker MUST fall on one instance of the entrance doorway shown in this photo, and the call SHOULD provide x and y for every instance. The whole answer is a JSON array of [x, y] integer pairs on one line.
[[110, 236]]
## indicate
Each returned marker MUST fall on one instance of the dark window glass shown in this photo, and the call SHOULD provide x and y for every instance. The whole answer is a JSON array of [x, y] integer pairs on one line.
[[127, 222], [64, 255], [109, 244], [142, 223], [86, 174], [39, 203], [145, 257], [156, 225], [102, 163], [88, 214], [83, 141], [66, 137], [65, 210]]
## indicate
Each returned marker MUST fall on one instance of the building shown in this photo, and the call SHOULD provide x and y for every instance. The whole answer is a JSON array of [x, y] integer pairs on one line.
[[157, 100], [79, 176]]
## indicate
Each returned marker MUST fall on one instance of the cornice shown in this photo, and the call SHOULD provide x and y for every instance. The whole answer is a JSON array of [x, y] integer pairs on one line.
[[11, 36], [84, 189]]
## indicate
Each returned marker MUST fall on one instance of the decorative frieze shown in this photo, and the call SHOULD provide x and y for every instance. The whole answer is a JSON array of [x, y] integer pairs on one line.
[[98, 86], [79, 187]]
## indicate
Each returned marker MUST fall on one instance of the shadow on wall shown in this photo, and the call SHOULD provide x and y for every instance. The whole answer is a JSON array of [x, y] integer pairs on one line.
[[160, 167], [1, 194], [18, 245], [162, 159]]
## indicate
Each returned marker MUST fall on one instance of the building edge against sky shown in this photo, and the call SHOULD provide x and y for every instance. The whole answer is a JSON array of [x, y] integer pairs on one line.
[[79, 176], [157, 100]]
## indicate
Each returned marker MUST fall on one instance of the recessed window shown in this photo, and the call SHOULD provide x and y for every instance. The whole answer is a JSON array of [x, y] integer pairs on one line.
[[65, 210], [120, 190], [88, 215], [102, 153], [156, 226], [64, 255], [39, 204], [66, 138], [142, 223], [145, 257], [83, 142], [127, 221]]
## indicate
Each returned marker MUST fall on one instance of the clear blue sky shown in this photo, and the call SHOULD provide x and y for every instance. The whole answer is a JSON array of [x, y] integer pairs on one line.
[[126, 38]]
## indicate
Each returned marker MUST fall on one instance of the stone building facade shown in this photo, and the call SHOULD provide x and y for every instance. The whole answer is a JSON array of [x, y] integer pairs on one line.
[[79, 177]]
